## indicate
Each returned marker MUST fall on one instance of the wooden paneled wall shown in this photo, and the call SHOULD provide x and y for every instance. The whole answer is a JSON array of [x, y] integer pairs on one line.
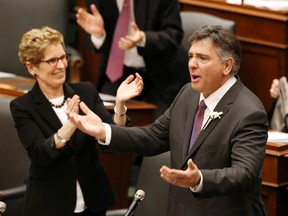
[[263, 34]]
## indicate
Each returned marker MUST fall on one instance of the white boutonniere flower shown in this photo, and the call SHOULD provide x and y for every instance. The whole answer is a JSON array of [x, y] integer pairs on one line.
[[213, 115]]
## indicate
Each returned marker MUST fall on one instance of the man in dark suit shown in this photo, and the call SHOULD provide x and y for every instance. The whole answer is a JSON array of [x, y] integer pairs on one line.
[[153, 49], [220, 174]]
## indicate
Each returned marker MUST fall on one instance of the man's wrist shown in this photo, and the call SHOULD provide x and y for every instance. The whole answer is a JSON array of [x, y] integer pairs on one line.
[[197, 188], [108, 134], [98, 42], [142, 40], [100, 35]]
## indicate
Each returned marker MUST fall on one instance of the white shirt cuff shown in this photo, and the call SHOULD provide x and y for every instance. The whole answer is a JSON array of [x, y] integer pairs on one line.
[[198, 188], [98, 42], [108, 132]]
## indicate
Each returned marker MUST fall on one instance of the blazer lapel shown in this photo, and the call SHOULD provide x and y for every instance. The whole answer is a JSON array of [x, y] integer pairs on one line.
[[44, 108], [223, 106], [205, 132], [140, 12], [189, 124], [68, 91]]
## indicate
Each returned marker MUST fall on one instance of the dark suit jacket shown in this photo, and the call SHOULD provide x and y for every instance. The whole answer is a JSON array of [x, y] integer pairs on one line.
[[166, 60], [229, 152], [51, 188]]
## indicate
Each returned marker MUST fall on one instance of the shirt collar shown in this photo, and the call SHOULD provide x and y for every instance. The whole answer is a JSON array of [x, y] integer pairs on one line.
[[212, 100]]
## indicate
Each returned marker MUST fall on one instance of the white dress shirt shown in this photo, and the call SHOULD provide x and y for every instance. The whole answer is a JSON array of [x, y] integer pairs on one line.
[[132, 58], [211, 102], [60, 112]]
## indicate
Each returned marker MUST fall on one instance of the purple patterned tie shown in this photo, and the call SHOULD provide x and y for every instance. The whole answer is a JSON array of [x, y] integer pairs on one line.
[[197, 123], [114, 69]]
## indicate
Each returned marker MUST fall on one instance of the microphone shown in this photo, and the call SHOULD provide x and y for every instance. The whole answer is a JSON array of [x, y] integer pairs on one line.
[[2, 207], [138, 197]]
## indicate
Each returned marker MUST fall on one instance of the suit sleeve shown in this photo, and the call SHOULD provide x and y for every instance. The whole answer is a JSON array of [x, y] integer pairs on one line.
[[165, 33], [39, 148]]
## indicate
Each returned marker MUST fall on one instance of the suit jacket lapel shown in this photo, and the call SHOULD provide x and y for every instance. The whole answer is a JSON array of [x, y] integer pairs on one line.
[[140, 12], [189, 124], [205, 132], [223, 106], [44, 107], [68, 91]]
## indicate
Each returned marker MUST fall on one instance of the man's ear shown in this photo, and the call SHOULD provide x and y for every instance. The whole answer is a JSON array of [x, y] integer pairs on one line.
[[228, 66]]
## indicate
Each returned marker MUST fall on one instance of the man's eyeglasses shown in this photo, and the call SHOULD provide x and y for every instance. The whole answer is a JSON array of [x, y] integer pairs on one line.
[[54, 61]]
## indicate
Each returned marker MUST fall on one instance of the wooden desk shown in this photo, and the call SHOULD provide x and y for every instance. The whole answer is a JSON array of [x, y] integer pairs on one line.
[[119, 166], [275, 179], [264, 38], [14, 85]]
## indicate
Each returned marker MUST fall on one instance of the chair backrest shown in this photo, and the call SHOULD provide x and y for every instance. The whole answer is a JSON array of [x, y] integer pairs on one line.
[[17, 17], [193, 20], [14, 161], [156, 190]]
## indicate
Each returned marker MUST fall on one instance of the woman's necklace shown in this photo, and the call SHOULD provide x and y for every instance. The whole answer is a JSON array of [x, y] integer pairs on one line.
[[58, 105]]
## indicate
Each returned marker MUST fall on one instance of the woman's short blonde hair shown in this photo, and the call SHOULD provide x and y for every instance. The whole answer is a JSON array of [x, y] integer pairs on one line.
[[33, 43]]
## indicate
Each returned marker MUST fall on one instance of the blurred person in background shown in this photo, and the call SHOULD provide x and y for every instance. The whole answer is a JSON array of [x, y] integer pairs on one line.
[[278, 113], [151, 46]]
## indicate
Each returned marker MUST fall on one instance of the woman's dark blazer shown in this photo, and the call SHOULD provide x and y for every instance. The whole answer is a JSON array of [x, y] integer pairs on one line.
[[51, 187]]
